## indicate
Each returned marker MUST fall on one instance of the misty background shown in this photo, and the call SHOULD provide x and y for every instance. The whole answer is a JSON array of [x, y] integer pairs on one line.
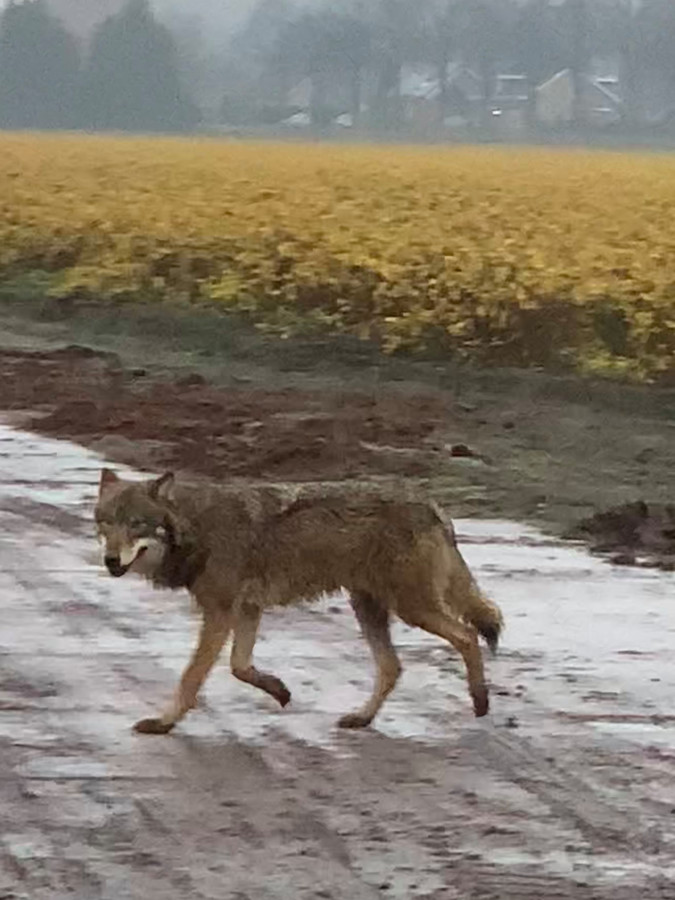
[[430, 69]]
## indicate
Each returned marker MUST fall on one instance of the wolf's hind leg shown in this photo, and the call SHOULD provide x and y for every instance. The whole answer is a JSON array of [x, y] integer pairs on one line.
[[245, 634], [214, 631], [464, 639], [374, 621]]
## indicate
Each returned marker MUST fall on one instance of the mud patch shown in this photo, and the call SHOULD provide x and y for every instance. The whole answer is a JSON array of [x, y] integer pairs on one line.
[[187, 424], [632, 534]]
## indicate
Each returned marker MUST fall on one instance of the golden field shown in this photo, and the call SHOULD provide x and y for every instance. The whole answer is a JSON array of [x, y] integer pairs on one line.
[[562, 259]]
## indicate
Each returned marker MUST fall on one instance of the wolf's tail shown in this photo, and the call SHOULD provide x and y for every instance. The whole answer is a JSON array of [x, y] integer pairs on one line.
[[486, 617], [463, 596], [467, 600]]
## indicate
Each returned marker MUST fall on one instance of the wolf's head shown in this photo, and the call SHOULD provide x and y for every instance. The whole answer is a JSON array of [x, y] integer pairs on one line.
[[134, 523]]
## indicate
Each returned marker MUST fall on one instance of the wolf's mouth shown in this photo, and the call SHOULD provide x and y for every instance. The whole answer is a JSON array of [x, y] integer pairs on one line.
[[117, 568]]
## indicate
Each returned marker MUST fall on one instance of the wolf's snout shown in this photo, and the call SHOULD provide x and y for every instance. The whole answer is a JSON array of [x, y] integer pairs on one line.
[[114, 566]]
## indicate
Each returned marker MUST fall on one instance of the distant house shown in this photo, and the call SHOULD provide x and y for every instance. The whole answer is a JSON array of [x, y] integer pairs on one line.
[[421, 95], [554, 100], [465, 102], [464, 94], [322, 100], [465, 81], [509, 105], [601, 100], [511, 92], [557, 105], [425, 105]]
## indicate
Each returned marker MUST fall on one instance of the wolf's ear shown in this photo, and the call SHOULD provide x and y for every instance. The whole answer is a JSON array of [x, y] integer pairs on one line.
[[107, 479], [162, 488]]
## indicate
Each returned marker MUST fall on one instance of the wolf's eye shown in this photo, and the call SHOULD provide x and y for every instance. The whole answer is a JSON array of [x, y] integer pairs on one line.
[[136, 524]]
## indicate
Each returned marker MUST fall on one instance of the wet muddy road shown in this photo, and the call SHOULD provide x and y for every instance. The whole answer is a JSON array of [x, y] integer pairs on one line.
[[567, 790]]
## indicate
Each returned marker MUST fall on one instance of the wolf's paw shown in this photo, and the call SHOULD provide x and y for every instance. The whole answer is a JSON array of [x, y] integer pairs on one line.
[[282, 695], [481, 703], [153, 726], [354, 720], [274, 687]]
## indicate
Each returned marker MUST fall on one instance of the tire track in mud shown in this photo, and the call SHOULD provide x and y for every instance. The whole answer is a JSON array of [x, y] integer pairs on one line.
[[488, 882], [443, 822], [565, 793]]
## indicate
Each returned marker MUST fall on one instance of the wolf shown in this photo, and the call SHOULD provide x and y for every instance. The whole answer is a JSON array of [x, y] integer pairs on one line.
[[240, 551]]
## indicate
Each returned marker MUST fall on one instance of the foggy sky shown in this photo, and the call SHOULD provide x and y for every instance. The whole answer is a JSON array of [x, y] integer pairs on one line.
[[218, 19]]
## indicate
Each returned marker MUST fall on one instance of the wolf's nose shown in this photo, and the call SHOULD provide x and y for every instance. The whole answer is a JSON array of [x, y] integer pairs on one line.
[[114, 566]]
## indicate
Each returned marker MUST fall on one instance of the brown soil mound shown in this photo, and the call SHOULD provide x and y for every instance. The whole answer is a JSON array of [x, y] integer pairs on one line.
[[187, 424], [633, 533]]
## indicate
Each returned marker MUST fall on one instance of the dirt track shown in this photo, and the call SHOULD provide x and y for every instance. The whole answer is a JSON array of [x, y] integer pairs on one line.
[[566, 791]]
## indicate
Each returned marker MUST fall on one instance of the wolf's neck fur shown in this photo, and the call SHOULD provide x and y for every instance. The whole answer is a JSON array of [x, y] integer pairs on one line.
[[184, 559]]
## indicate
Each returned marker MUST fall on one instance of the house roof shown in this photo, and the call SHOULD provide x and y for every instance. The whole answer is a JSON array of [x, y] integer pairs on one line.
[[421, 81], [597, 84]]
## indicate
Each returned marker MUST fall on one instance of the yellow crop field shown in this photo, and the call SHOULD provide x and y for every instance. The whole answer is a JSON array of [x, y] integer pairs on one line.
[[510, 256]]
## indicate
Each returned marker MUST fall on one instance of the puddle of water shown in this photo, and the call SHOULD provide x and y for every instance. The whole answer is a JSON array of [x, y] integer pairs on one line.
[[26, 847]]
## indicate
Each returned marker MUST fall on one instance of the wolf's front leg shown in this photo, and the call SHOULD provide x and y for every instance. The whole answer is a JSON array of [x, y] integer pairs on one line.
[[214, 631], [241, 660]]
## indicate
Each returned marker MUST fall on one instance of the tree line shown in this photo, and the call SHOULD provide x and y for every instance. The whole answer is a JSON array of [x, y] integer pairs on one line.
[[131, 76], [128, 80]]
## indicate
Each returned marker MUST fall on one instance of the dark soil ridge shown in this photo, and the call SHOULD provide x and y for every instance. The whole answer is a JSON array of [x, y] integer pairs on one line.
[[185, 423], [637, 533]]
